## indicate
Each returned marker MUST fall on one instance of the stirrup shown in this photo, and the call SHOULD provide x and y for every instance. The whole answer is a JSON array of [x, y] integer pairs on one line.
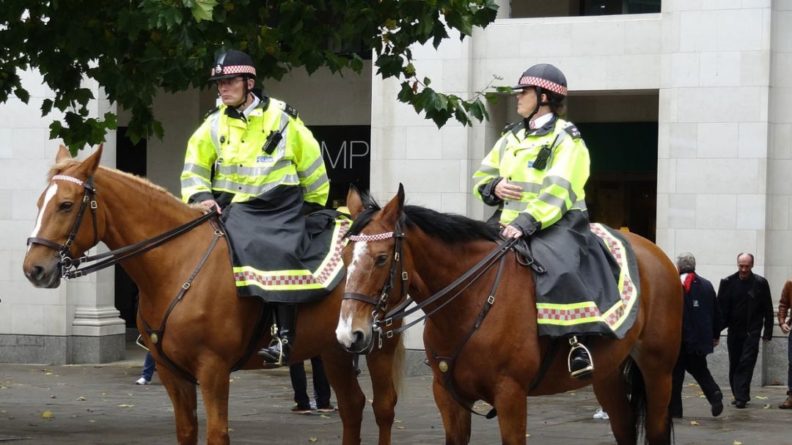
[[574, 346], [281, 344]]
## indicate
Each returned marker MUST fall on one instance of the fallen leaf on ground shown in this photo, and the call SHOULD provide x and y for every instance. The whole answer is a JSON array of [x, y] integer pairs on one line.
[[694, 423], [125, 405], [47, 414]]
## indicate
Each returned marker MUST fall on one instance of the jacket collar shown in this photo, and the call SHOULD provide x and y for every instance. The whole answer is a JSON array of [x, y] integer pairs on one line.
[[543, 130]]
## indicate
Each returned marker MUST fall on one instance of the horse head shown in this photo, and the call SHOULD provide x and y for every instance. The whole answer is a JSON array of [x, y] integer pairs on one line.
[[63, 229], [375, 280]]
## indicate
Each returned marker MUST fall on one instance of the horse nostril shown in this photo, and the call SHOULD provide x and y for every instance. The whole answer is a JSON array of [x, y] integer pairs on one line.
[[358, 337], [36, 273]]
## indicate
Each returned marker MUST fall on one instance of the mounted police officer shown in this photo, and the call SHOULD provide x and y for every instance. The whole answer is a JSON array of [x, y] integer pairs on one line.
[[535, 175], [255, 162]]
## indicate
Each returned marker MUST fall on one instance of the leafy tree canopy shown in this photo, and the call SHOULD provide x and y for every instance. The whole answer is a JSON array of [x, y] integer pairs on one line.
[[134, 48]]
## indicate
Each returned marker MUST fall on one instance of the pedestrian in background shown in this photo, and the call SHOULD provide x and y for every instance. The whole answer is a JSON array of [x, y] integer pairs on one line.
[[784, 315], [149, 367], [320, 385], [700, 334], [746, 306]]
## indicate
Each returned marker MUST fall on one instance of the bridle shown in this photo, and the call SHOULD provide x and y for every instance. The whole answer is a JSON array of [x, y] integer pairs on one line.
[[396, 269], [384, 318], [70, 265], [64, 250]]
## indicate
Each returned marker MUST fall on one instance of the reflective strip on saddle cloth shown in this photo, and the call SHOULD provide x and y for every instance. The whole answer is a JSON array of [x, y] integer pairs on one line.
[[278, 254], [582, 317], [296, 284]]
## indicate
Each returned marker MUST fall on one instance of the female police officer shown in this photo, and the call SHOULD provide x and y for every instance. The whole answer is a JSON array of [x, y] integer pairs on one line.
[[535, 174]]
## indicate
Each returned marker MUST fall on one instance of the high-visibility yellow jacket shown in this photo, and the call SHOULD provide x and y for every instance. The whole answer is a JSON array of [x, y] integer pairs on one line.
[[227, 155], [550, 163]]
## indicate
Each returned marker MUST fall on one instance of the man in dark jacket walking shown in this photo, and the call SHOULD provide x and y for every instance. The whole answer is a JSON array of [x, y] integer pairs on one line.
[[700, 334], [746, 305]]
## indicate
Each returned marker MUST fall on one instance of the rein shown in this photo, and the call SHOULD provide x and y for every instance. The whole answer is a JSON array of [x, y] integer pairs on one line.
[[70, 266], [397, 268]]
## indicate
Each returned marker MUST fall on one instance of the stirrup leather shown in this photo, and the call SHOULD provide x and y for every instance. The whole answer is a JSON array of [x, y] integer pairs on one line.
[[575, 345]]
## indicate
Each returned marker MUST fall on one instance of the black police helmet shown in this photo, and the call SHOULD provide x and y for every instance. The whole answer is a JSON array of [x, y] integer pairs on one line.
[[232, 63], [544, 76]]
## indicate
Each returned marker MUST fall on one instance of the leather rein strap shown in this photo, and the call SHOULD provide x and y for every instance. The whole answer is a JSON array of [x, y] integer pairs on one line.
[[468, 278]]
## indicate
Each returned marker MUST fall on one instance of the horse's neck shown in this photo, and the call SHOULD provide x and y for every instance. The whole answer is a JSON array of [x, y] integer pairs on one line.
[[135, 211], [436, 266]]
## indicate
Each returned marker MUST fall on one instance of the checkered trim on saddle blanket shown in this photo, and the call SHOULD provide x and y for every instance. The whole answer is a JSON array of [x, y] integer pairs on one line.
[[629, 288]]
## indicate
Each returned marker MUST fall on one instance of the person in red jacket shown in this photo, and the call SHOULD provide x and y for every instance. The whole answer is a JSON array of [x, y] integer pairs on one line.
[[784, 315], [701, 323]]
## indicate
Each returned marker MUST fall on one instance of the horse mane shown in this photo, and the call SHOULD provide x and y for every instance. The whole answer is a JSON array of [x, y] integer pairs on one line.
[[142, 183], [449, 227]]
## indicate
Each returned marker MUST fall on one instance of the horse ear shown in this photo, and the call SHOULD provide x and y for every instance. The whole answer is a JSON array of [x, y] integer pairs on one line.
[[393, 210], [400, 195], [63, 153], [91, 163], [354, 202]]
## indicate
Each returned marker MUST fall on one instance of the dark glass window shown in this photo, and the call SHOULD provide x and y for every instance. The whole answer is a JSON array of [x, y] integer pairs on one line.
[[571, 8]]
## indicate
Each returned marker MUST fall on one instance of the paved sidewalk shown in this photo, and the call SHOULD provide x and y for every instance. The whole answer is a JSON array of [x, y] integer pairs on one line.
[[99, 404]]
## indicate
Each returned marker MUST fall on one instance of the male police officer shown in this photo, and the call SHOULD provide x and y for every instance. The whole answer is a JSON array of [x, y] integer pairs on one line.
[[254, 161]]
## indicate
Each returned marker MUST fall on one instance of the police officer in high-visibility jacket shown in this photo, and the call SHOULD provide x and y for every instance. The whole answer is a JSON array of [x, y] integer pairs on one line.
[[253, 160], [535, 174]]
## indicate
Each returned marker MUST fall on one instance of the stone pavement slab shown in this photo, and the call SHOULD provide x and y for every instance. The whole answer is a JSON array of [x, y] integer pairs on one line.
[[100, 404]]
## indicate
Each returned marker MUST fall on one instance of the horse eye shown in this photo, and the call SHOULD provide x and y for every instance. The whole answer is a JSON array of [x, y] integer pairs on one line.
[[65, 206], [381, 259]]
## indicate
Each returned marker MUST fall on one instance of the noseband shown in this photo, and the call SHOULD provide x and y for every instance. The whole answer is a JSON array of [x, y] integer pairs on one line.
[[88, 201]]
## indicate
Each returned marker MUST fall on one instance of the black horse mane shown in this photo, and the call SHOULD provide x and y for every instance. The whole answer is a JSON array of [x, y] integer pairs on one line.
[[450, 228]]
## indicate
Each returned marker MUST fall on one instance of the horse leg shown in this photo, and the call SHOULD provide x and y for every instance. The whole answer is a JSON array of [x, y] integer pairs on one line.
[[213, 378], [657, 369], [611, 392], [384, 380], [351, 400], [184, 399], [512, 405], [456, 419]]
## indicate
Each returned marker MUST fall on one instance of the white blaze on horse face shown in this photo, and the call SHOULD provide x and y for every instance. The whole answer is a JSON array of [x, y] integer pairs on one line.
[[361, 247], [51, 191], [344, 330]]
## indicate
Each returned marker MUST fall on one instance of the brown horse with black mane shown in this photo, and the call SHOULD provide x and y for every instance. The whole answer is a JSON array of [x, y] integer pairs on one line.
[[187, 281], [480, 332]]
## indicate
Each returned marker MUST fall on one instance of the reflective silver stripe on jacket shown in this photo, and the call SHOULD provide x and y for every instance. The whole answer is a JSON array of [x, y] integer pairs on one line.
[[194, 181], [519, 206], [235, 169], [316, 185], [311, 168], [255, 190], [489, 171], [214, 130], [199, 170]]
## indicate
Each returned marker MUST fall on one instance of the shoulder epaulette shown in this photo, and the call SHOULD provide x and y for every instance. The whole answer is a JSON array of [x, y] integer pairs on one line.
[[513, 127], [211, 112], [283, 106], [572, 130], [290, 110]]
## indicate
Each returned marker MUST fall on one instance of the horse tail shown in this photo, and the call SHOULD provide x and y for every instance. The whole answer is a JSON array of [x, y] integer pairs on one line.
[[398, 364], [637, 396]]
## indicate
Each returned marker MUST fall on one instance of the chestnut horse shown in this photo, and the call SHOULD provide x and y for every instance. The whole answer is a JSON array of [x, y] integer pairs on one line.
[[480, 331], [210, 331]]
